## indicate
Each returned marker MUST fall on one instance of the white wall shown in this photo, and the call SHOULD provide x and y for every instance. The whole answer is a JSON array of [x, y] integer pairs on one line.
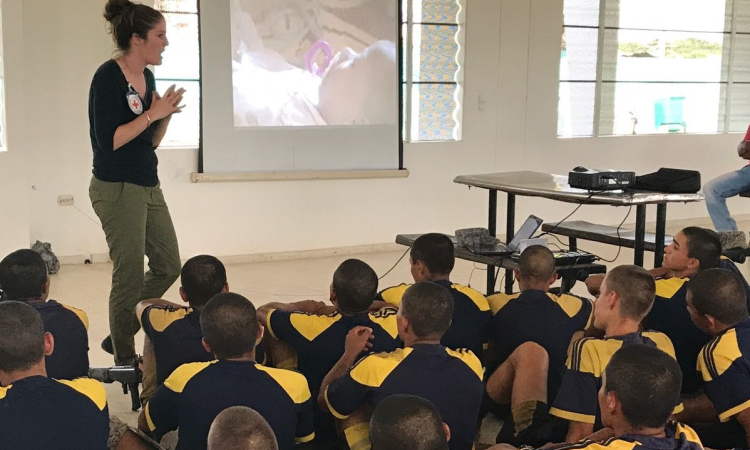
[[512, 56]]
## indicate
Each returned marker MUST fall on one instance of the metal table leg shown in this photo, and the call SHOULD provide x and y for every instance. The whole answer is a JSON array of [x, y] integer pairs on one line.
[[661, 225], [492, 227], [640, 234], [510, 227]]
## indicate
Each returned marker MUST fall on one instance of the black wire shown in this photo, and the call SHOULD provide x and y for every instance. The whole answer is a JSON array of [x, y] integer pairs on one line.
[[591, 195], [619, 239], [394, 266]]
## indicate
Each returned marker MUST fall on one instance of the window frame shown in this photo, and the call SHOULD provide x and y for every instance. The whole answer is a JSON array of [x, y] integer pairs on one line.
[[725, 105], [199, 81]]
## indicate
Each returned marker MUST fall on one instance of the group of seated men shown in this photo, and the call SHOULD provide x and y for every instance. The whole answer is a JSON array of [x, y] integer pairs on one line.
[[413, 366]]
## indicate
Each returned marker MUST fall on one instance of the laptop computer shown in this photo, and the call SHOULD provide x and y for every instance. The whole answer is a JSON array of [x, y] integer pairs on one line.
[[527, 230]]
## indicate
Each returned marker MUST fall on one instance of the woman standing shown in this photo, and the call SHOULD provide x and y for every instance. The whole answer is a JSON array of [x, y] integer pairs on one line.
[[128, 120]]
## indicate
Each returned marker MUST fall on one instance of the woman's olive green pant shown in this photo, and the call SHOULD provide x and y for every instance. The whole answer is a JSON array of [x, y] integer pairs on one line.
[[136, 222]]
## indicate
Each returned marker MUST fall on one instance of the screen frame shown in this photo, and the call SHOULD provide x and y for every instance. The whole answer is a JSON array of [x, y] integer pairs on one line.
[[400, 68]]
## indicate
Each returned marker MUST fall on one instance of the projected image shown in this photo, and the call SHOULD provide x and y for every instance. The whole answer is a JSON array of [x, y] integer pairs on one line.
[[314, 62]]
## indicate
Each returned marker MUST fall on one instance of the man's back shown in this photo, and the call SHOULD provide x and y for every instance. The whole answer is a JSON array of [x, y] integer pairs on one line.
[[42, 413], [196, 393], [68, 326], [451, 380], [471, 316], [577, 399], [670, 316], [724, 364], [546, 319], [176, 336], [678, 437]]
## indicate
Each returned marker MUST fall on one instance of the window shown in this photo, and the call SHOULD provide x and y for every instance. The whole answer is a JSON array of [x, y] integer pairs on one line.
[[181, 66], [432, 69], [2, 87], [654, 66], [432, 37]]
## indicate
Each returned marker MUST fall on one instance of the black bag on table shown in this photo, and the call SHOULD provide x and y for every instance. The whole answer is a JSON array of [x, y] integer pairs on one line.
[[671, 181]]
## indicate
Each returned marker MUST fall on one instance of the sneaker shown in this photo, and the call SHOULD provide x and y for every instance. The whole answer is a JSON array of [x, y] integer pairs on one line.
[[107, 345], [732, 239]]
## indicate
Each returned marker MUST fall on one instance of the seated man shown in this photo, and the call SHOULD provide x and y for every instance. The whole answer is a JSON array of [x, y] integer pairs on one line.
[[408, 422], [719, 189], [716, 305], [23, 277], [173, 332], [241, 428], [196, 393], [432, 259], [640, 387], [693, 249], [37, 412], [450, 379], [318, 340], [538, 317], [626, 296]]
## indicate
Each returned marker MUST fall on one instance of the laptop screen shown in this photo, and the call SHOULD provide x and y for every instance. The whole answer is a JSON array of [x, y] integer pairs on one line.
[[526, 231]]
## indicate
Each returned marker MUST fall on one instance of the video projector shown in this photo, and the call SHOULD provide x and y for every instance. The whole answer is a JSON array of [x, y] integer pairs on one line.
[[600, 180]]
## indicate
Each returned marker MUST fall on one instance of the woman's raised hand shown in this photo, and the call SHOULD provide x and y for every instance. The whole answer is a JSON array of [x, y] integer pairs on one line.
[[167, 105]]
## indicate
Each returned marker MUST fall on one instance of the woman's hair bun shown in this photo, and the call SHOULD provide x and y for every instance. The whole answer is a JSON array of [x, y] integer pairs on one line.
[[116, 8]]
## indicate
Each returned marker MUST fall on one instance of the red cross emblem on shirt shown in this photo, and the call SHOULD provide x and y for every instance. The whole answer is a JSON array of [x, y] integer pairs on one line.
[[136, 104]]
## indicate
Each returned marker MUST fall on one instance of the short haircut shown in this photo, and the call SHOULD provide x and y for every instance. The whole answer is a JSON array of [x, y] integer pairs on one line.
[[355, 285], [537, 262], [230, 325], [202, 277], [703, 245], [407, 422], [436, 251], [429, 308], [720, 294], [21, 336], [635, 287], [647, 381], [23, 274], [241, 428]]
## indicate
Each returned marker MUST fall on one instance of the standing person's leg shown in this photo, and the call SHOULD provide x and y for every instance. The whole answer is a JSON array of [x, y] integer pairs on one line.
[[716, 192], [122, 209], [161, 248]]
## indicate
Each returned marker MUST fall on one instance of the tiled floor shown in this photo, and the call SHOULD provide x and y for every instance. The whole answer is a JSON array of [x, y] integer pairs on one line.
[[87, 287]]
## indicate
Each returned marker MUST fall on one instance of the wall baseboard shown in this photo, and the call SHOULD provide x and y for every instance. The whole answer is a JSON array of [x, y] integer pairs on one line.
[[369, 248]]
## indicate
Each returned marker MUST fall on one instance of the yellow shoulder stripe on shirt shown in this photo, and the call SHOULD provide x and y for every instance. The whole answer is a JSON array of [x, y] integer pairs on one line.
[[310, 325], [80, 313], [161, 318], [568, 303], [373, 369], [386, 318], [500, 301], [662, 342], [393, 294], [183, 374], [294, 383], [468, 358], [4, 391], [668, 287], [571, 416], [90, 388], [477, 297], [718, 355]]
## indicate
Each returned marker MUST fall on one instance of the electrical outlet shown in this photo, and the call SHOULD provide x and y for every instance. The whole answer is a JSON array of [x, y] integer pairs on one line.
[[65, 200]]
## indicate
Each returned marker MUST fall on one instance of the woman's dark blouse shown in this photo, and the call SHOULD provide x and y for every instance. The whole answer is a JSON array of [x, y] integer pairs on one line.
[[134, 162]]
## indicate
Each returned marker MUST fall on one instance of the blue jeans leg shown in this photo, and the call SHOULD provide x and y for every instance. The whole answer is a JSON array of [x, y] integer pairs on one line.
[[718, 190]]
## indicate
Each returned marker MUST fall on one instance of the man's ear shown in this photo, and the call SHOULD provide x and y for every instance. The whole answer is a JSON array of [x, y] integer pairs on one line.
[[710, 321], [447, 431], [260, 332], [611, 402], [693, 264], [183, 295], [516, 274], [552, 279], [331, 294], [45, 288], [49, 344], [225, 289], [206, 346]]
